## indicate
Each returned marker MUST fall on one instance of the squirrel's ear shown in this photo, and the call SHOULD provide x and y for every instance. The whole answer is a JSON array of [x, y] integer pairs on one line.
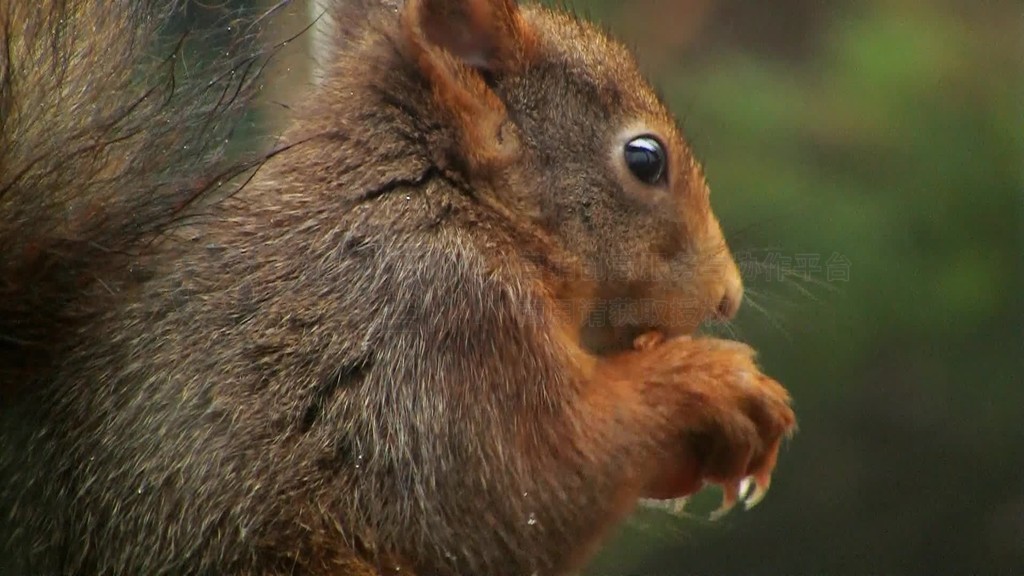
[[459, 46], [489, 35]]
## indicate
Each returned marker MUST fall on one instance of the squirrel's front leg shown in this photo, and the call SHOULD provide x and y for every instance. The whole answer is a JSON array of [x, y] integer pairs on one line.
[[693, 411]]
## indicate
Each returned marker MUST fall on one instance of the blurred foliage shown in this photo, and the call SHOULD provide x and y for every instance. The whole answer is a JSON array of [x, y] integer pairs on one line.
[[866, 164]]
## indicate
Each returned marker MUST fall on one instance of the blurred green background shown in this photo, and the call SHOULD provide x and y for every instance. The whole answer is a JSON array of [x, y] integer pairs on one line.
[[866, 162], [865, 159]]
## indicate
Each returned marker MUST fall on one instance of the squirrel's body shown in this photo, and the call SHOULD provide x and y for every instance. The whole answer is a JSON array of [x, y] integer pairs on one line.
[[380, 353]]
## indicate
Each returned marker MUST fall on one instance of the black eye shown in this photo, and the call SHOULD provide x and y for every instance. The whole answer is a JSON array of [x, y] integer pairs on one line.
[[645, 158]]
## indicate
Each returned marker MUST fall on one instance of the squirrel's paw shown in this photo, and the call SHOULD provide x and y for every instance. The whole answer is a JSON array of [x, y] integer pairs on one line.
[[733, 418]]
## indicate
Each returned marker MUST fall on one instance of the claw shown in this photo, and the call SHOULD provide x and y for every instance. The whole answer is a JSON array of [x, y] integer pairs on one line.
[[745, 488], [761, 484], [730, 495], [722, 510]]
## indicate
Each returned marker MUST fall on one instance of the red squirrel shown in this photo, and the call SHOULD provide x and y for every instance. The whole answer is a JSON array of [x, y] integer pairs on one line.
[[445, 327]]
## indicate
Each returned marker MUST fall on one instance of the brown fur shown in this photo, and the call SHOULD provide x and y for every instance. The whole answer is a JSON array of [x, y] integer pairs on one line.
[[383, 353]]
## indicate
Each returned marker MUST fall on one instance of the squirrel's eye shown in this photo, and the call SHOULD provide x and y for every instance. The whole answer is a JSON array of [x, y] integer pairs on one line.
[[645, 158]]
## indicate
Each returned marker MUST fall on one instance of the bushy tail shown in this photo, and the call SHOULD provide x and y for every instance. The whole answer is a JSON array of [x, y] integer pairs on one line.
[[111, 132]]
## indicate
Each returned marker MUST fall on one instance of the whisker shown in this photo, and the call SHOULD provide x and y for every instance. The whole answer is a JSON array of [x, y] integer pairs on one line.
[[785, 274], [751, 300]]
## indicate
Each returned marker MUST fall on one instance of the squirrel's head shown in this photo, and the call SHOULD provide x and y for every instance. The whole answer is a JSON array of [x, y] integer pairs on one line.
[[555, 121], [550, 119]]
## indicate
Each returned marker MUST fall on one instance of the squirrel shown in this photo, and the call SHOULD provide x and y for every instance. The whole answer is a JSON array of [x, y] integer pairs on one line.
[[445, 326]]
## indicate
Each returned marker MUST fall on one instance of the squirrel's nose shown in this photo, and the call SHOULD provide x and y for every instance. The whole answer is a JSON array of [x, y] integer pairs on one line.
[[729, 304]]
